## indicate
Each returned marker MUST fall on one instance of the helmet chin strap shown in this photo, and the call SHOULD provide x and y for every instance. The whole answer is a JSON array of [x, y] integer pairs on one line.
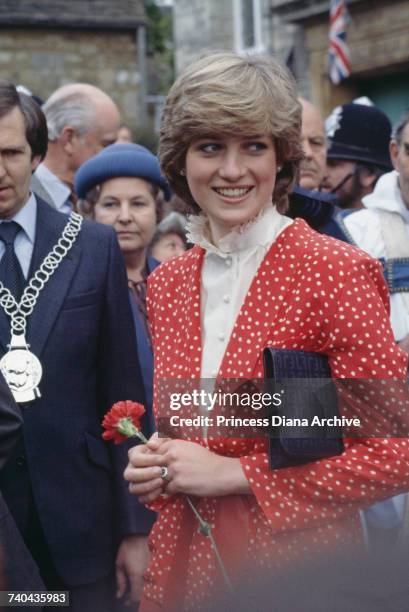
[[344, 180]]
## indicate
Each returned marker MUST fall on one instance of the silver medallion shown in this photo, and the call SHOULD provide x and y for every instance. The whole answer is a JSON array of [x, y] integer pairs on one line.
[[22, 370]]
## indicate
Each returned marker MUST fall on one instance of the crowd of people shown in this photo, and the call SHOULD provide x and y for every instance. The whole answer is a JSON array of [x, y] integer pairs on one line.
[[256, 225]]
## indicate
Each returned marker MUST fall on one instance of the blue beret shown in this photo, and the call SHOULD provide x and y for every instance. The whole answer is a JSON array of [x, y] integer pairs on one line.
[[119, 160]]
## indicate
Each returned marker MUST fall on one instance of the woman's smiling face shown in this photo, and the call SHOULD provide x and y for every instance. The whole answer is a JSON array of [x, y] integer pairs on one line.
[[231, 178]]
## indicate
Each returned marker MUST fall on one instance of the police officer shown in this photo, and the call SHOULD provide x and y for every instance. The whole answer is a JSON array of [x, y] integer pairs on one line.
[[358, 152]]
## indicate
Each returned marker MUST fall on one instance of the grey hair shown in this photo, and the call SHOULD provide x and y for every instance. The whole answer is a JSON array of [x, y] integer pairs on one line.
[[400, 126], [74, 110]]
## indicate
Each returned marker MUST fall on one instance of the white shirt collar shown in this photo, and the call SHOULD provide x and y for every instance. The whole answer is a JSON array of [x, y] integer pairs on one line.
[[260, 231], [387, 196], [26, 217], [58, 190]]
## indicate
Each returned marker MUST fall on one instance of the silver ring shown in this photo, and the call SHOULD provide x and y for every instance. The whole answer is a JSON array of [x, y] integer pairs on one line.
[[164, 473]]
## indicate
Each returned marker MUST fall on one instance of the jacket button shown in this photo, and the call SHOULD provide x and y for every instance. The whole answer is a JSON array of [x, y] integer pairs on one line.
[[21, 460]]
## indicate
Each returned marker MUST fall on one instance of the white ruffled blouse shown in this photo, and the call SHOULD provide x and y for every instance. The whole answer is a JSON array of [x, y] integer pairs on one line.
[[229, 266]]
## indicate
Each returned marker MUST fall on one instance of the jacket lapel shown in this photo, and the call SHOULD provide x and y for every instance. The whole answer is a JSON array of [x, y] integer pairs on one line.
[[49, 228], [40, 191], [193, 315], [49, 225], [4, 330]]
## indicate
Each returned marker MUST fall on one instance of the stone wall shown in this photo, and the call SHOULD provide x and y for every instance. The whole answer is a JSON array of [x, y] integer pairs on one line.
[[201, 26], [44, 59]]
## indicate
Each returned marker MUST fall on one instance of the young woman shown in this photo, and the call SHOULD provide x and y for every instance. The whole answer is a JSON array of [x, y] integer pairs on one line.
[[230, 147]]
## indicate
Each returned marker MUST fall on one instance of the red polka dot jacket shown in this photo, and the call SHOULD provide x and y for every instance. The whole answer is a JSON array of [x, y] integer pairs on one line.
[[311, 293]]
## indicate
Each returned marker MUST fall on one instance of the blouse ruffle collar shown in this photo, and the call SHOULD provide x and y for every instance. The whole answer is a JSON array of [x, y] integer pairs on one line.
[[259, 231]]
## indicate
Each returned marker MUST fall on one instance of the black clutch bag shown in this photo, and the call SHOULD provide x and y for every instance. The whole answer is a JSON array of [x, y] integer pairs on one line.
[[304, 381]]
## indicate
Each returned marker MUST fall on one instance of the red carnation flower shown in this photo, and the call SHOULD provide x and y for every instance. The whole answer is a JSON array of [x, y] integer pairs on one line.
[[123, 422]]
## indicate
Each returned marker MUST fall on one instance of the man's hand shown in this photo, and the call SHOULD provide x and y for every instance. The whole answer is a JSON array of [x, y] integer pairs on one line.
[[131, 562]]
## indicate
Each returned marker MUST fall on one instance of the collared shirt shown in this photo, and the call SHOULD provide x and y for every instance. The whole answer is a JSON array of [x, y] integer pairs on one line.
[[59, 191], [228, 269], [24, 242]]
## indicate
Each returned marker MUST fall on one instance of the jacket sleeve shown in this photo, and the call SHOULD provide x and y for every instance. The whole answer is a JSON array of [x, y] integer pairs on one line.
[[120, 379], [10, 421], [360, 345]]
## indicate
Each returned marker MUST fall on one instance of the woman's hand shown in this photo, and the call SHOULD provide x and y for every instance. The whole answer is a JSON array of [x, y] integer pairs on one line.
[[192, 469], [144, 470], [195, 470]]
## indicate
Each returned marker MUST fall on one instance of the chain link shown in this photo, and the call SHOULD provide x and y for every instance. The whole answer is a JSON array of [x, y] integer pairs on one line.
[[19, 312]]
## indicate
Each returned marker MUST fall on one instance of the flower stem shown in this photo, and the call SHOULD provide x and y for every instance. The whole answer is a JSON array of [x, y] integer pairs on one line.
[[127, 428], [206, 529], [142, 437]]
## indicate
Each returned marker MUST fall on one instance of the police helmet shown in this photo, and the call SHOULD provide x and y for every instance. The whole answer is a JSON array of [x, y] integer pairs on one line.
[[360, 133]]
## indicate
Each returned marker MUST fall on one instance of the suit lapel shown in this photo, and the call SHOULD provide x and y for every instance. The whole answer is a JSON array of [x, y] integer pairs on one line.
[[4, 330], [192, 315], [38, 188], [49, 228]]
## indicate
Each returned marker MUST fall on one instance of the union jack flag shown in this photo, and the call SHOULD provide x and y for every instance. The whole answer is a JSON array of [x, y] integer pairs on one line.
[[338, 52]]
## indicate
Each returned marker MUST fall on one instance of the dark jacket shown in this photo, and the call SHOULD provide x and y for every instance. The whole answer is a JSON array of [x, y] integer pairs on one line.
[[319, 210], [17, 568], [80, 331], [144, 346]]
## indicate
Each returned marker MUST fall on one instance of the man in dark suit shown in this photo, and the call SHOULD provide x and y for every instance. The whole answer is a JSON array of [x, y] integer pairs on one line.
[[64, 485]]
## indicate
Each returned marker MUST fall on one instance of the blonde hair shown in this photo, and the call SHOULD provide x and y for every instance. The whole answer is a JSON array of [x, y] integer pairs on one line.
[[228, 94]]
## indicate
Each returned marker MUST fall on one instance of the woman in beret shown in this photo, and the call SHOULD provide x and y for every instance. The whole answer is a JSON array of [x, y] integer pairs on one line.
[[122, 186]]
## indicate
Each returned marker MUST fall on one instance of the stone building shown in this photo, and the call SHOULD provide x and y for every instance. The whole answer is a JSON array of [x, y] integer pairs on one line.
[[48, 43], [243, 25], [296, 31], [378, 39]]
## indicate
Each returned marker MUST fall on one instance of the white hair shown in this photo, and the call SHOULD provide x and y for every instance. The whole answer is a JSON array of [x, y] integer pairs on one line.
[[75, 110]]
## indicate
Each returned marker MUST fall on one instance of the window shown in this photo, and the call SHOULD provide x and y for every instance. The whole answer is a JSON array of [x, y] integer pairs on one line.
[[247, 25]]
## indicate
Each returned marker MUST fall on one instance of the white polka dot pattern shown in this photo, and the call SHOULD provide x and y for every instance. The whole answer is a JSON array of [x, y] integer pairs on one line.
[[310, 293]]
